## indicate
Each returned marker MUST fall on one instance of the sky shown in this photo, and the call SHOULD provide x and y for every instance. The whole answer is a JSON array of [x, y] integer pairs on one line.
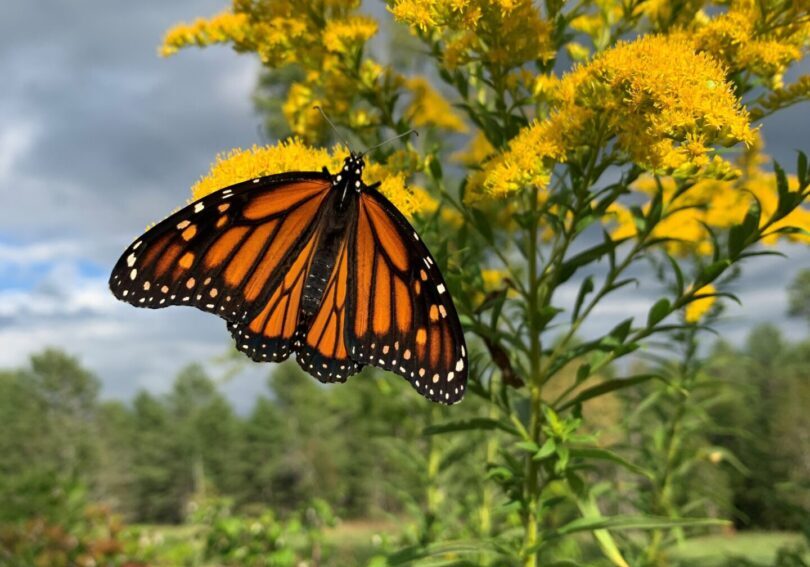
[[99, 137]]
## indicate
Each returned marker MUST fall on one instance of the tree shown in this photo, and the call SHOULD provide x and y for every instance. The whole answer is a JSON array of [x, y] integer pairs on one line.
[[154, 462], [763, 420], [799, 295], [47, 440]]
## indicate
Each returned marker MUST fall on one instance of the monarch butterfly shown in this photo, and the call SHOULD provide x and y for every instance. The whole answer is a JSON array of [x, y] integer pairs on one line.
[[311, 263]]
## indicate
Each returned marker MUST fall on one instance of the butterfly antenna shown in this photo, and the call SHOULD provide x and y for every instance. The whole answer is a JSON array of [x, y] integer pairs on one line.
[[337, 133], [391, 139]]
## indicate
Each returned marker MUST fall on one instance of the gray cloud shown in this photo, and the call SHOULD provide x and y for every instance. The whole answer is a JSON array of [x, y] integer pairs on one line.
[[99, 137]]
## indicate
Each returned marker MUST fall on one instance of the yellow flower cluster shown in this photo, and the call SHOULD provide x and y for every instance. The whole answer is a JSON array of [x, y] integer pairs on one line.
[[224, 27], [240, 165], [531, 156], [783, 97], [699, 308], [321, 39], [665, 105], [429, 108], [341, 36], [713, 203], [500, 33], [743, 40]]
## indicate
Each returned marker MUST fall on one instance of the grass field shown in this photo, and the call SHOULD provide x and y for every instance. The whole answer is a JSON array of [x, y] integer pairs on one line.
[[355, 542], [713, 550]]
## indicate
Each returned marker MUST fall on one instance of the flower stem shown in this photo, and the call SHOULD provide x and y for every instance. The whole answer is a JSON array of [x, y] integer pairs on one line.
[[532, 481]]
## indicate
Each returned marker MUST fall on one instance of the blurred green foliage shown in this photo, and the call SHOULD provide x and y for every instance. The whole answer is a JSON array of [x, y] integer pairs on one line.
[[719, 434], [723, 435]]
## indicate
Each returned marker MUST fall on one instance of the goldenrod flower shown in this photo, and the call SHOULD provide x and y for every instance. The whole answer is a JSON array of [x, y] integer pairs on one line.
[[408, 201], [697, 309], [716, 203], [738, 39], [577, 51], [299, 109], [240, 165], [505, 33], [321, 41], [348, 34], [493, 279], [221, 28], [429, 108], [528, 161], [477, 151], [664, 104]]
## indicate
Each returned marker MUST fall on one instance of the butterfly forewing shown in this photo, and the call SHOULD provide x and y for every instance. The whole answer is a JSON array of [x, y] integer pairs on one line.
[[228, 252], [401, 317]]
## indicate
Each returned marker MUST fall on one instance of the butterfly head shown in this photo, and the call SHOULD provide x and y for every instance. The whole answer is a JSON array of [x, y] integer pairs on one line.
[[350, 176]]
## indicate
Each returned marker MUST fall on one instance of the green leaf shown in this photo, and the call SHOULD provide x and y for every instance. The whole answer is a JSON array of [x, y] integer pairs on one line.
[[713, 271], [636, 523], [741, 235], [679, 281], [605, 388], [583, 372], [620, 331], [584, 289], [575, 482], [548, 449], [547, 314], [586, 257], [785, 197], [528, 446], [658, 311], [472, 424], [607, 455], [483, 225], [801, 171], [730, 458], [462, 547], [564, 455], [589, 509], [436, 169]]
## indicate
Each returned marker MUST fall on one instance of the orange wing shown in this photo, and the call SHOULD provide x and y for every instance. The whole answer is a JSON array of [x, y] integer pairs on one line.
[[323, 351], [242, 253], [401, 317]]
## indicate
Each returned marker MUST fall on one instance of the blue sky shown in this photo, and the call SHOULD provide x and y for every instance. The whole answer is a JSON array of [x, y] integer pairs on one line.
[[99, 137]]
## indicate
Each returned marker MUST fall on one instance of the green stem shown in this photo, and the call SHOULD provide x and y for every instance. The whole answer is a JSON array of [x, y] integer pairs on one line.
[[663, 504], [532, 488]]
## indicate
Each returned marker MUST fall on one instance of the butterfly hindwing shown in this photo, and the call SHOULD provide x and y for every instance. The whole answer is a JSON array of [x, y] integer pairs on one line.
[[401, 317], [271, 335], [226, 253]]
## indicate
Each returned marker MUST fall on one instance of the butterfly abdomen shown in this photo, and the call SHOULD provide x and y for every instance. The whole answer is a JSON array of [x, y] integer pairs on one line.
[[339, 213]]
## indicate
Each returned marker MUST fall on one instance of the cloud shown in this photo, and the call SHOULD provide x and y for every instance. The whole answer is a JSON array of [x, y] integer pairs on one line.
[[16, 140], [99, 138]]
